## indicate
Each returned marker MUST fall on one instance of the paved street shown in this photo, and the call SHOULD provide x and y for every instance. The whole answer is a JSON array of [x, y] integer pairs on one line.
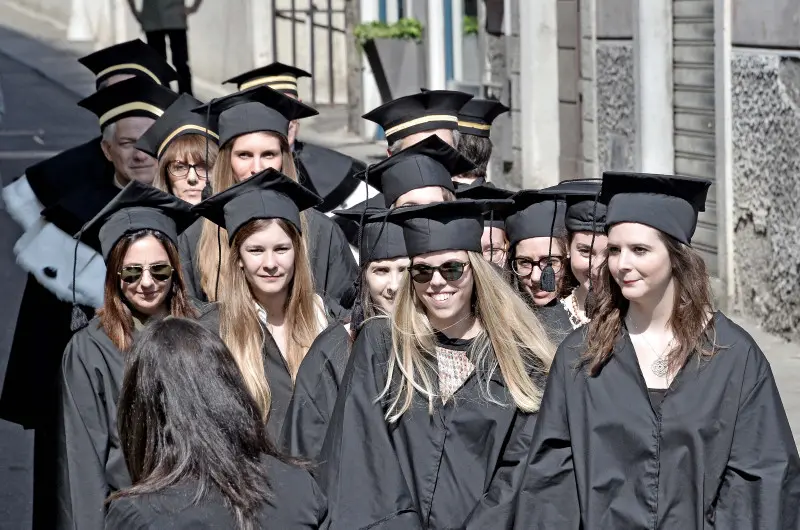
[[41, 119]]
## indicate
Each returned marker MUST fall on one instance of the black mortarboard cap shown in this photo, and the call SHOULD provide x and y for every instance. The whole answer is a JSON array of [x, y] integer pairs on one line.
[[664, 202], [254, 110], [431, 162], [536, 214], [132, 97], [177, 120], [133, 57], [381, 239], [496, 216], [453, 225], [267, 195], [138, 207], [477, 115], [277, 76], [584, 211], [426, 111]]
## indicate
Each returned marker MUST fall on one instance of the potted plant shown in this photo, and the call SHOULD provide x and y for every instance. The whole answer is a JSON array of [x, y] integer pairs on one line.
[[396, 55]]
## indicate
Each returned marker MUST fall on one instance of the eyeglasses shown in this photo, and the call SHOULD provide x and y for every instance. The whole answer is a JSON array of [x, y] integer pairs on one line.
[[494, 253], [181, 170], [160, 272], [523, 267], [450, 271]]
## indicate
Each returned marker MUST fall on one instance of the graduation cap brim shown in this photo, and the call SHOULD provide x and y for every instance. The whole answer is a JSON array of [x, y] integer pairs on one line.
[[349, 224], [258, 109], [382, 239], [430, 162], [477, 115], [267, 195], [535, 214], [138, 207], [133, 57], [178, 120], [278, 76], [665, 202], [131, 97]]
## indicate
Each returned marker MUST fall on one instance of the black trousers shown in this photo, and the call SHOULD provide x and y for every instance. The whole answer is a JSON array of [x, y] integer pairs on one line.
[[180, 53]]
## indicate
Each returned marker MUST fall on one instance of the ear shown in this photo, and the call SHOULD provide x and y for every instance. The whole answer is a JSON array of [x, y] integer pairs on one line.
[[291, 136], [104, 145]]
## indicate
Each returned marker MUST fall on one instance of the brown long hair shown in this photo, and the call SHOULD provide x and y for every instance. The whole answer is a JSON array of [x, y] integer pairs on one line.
[[239, 325], [689, 322], [186, 147], [115, 316], [213, 239]]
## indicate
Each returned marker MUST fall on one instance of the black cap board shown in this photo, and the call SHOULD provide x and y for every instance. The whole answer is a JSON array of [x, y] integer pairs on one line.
[[477, 115], [454, 225], [277, 76], [665, 202], [178, 120], [266, 195], [585, 212], [132, 97], [254, 110], [431, 162], [496, 216], [382, 239], [138, 207], [133, 57], [426, 111], [536, 214]]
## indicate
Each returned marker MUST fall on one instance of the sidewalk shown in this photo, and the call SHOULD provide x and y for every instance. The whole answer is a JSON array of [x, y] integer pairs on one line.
[[42, 46]]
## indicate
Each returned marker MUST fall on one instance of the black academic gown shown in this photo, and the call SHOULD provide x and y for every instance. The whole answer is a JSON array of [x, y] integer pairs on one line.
[[91, 463], [297, 503], [332, 264], [315, 389], [555, 319], [425, 471], [328, 173], [717, 454]]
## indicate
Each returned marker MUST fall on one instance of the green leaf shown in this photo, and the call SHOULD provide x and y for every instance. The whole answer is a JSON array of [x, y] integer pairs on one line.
[[470, 25], [405, 29]]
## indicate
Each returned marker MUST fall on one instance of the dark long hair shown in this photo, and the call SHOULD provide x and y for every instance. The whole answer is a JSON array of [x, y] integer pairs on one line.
[[694, 333], [115, 316], [185, 413]]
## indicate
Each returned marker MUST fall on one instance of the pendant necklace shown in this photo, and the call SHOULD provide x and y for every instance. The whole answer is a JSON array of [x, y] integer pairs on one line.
[[660, 366]]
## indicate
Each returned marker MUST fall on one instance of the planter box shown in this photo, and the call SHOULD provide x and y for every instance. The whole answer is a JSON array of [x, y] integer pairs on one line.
[[398, 66]]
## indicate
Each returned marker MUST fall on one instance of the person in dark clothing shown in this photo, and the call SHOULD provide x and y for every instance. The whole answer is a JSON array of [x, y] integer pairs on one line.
[[51, 202], [494, 242], [473, 137], [439, 401], [166, 19], [137, 234], [661, 413], [195, 443], [268, 314], [537, 239], [252, 136]]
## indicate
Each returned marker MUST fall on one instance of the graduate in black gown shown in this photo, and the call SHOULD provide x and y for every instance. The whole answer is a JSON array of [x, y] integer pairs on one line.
[[473, 138], [137, 233], [661, 413], [494, 241], [253, 127], [268, 312], [328, 173], [196, 445], [538, 256], [383, 262], [439, 402]]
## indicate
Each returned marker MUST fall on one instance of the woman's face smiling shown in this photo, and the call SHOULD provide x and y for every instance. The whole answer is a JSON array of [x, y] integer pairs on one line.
[[446, 302]]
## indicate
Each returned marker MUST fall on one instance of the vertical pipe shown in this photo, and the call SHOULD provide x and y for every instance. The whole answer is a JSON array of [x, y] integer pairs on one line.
[[311, 51], [723, 109], [457, 50], [371, 96], [434, 37], [274, 30], [331, 87], [293, 18]]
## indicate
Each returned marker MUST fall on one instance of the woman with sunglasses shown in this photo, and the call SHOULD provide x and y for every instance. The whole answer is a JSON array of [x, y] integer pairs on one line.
[[539, 256], [384, 264], [196, 446], [137, 233], [440, 398], [268, 314], [253, 128], [663, 413]]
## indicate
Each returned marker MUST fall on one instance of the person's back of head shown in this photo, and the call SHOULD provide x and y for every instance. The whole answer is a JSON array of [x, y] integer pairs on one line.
[[185, 413]]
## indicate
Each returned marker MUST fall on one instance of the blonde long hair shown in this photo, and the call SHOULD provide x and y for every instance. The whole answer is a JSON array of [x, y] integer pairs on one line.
[[512, 341], [242, 331], [213, 239], [186, 147]]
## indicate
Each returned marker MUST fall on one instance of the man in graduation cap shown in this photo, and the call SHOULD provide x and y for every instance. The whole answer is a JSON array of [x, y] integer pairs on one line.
[[46, 252], [474, 127], [330, 174]]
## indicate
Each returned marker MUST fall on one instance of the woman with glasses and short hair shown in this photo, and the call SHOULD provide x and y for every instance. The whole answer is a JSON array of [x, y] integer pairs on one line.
[[439, 401], [137, 234]]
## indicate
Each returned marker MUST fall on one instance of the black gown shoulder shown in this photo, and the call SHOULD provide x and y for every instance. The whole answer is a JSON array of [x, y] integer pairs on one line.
[[315, 390], [297, 503], [330, 174], [555, 318], [187, 248]]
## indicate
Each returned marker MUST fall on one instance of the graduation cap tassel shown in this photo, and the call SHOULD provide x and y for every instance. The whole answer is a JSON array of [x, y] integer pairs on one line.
[[78, 320], [548, 279], [357, 312], [491, 236], [590, 303], [219, 264]]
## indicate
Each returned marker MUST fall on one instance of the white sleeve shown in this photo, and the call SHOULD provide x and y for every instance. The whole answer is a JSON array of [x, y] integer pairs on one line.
[[21, 203]]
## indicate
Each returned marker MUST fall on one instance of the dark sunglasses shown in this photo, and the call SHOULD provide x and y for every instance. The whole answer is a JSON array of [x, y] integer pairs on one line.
[[450, 271], [160, 272]]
